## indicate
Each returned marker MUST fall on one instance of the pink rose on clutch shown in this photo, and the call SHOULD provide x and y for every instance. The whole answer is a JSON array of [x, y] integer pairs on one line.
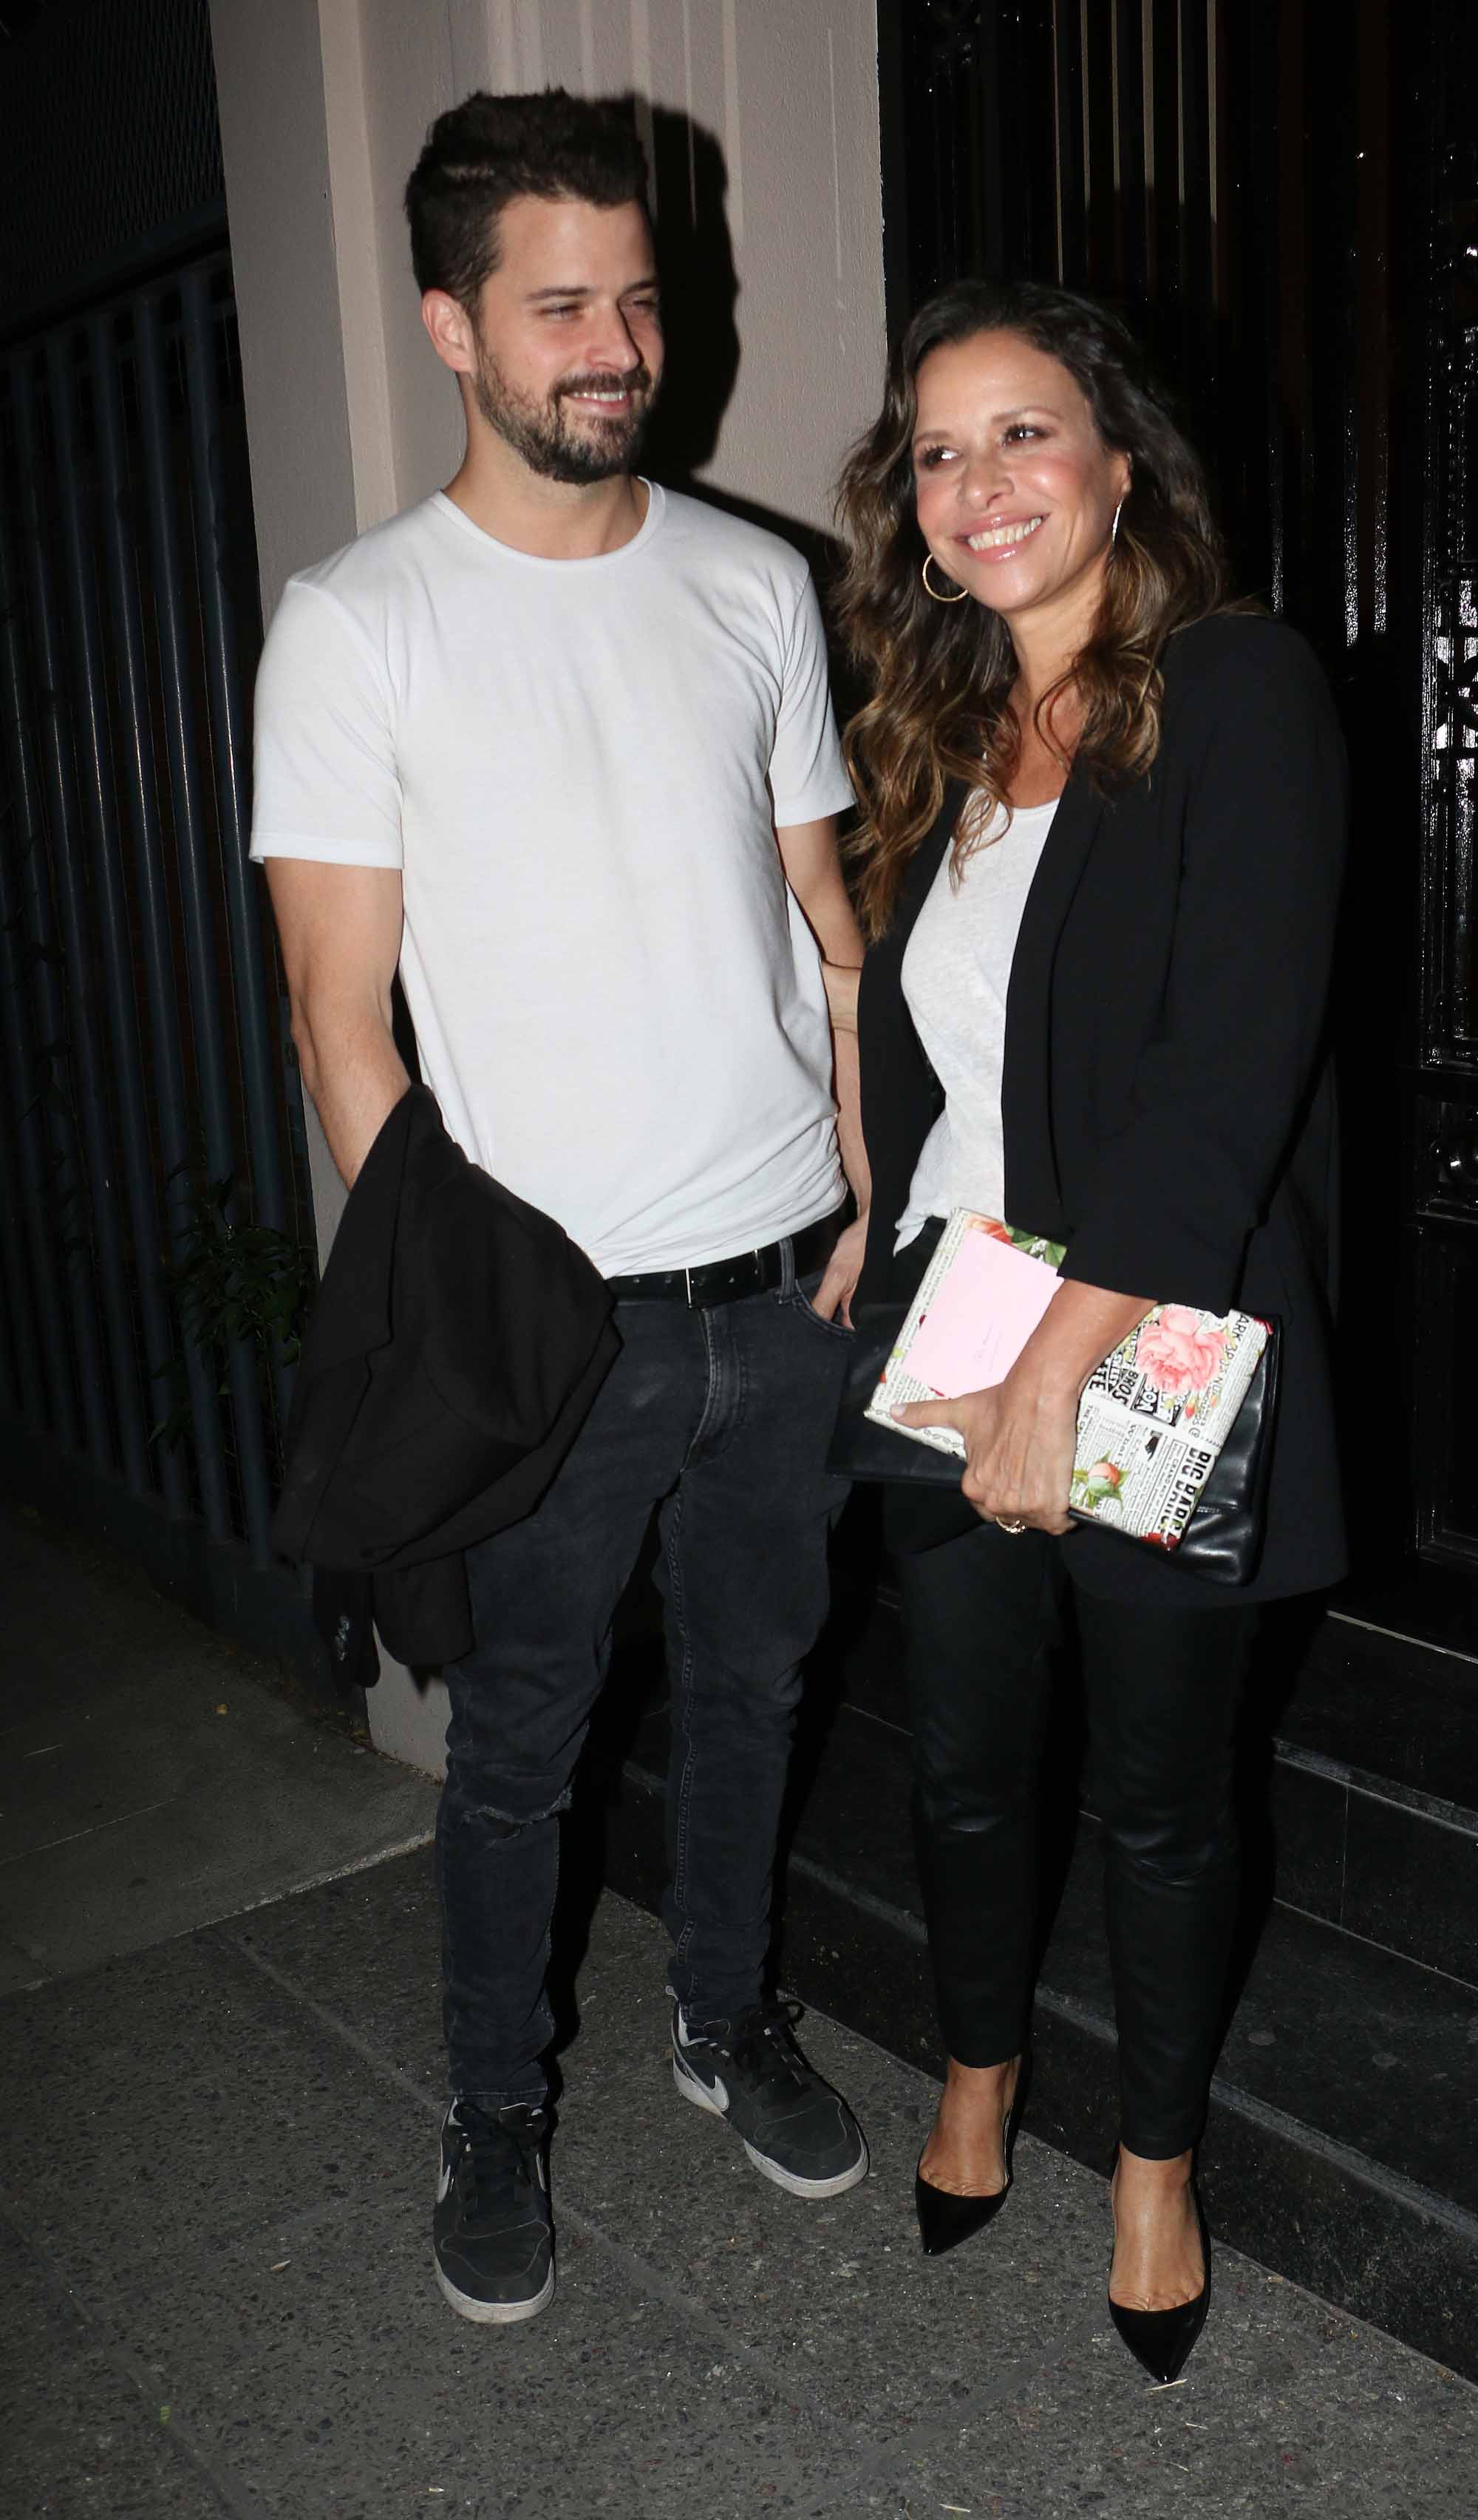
[[1176, 1354]]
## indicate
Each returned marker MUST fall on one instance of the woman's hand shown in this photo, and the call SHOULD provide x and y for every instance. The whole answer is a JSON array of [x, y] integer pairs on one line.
[[834, 1293], [1020, 1437], [1018, 1448], [841, 981]]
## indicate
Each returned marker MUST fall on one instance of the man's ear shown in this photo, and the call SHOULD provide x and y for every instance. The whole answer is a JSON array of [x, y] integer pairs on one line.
[[450, 329]]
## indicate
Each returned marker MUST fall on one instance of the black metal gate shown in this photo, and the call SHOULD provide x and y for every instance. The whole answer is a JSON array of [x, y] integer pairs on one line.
[[155, 1231], [1288, 207]]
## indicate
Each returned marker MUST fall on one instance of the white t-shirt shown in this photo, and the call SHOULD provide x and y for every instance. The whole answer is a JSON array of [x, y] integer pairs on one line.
[[579, 765], [957, 969]]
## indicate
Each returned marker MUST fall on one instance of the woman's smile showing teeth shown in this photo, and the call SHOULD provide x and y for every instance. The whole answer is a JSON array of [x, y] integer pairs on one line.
[[1001, 539]]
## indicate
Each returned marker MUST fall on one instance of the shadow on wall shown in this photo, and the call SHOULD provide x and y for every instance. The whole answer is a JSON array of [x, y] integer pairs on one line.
[[700, 291]]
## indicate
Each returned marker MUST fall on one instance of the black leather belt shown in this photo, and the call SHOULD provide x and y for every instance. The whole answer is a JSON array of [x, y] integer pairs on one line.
[[724, 1282]]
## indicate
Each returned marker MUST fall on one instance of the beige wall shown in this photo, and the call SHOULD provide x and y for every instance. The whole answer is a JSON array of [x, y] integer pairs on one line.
[[270, 80], [324, 105]]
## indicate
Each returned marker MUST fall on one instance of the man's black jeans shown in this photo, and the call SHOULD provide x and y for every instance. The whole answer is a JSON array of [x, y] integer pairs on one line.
[[720, 1417], [1162, 1691]]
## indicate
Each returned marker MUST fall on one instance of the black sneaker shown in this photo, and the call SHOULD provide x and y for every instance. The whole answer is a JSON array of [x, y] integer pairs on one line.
[[492, 2230], [750, 2071]]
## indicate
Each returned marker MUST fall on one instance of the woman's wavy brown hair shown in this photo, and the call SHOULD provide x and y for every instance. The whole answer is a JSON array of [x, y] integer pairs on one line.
[[941, 675]]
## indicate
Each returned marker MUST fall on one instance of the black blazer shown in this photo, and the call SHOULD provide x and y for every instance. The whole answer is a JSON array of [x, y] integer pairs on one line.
[[458, 1340], [1168, 1100]]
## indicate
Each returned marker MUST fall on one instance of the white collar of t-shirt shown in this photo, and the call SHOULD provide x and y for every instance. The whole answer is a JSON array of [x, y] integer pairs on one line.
[[509, 552]]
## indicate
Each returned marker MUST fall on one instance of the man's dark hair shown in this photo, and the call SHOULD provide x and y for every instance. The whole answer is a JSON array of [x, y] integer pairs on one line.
[[489, 150]]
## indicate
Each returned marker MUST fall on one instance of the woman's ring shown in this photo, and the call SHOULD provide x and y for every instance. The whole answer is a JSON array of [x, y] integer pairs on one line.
[[1013, 1528]]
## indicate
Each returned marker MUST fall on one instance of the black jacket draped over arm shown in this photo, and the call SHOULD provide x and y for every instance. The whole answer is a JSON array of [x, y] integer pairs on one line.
[[1168, 1100], [458, 1341]]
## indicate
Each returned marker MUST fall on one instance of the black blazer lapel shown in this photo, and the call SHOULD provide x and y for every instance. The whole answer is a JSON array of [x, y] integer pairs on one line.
[[897, 1087], [1033, 1190]]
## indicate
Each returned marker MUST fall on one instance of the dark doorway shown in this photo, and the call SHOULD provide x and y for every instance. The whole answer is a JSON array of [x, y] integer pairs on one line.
[[1292, 224]]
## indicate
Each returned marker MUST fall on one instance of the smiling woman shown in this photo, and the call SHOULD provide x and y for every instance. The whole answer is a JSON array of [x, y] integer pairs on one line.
[[1020, 441], [1069, 1019], [1012, 475]]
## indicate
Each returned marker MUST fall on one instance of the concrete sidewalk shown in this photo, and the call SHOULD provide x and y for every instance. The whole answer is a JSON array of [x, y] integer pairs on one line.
[[217, 2291], [153, 1776]]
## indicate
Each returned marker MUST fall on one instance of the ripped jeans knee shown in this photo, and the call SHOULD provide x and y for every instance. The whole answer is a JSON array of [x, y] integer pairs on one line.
[[468, 1806]]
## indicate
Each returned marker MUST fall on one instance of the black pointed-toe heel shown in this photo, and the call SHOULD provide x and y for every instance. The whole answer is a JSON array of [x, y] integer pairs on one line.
[[944, 2221], [1161, 2341]]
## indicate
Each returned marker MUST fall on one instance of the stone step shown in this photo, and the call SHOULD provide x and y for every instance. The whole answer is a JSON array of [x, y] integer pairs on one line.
[[1338, 2151], [1374, 1789]]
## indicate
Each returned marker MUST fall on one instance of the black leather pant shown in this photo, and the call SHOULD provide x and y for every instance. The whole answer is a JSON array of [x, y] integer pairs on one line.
[[1162, 1691]]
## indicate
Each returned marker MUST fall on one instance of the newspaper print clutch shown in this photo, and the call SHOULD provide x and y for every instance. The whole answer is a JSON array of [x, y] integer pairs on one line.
[[1173, 1427]]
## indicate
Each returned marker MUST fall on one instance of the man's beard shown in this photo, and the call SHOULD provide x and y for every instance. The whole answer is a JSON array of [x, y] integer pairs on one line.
[[549, 440]]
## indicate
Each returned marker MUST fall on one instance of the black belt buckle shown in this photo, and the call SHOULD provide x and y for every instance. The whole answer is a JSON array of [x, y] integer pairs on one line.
[[725, 1282]]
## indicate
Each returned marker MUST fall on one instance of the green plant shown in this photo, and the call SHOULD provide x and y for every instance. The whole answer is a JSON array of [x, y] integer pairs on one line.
[[236, 1282]]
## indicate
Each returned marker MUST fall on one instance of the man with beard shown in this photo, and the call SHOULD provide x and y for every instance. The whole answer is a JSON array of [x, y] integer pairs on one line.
[[558, 744]]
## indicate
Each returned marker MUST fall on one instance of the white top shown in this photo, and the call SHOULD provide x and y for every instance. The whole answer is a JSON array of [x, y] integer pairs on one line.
[[579, 764], [957, 968]]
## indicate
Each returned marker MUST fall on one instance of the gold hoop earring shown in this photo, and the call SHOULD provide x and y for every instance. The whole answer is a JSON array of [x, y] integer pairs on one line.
[[956, 597]]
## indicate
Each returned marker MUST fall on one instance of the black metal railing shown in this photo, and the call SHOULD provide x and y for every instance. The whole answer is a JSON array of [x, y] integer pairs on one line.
[[155, 1211]]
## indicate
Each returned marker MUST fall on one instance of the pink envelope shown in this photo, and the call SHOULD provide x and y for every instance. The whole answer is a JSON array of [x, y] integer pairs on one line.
[[989, 1302]]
